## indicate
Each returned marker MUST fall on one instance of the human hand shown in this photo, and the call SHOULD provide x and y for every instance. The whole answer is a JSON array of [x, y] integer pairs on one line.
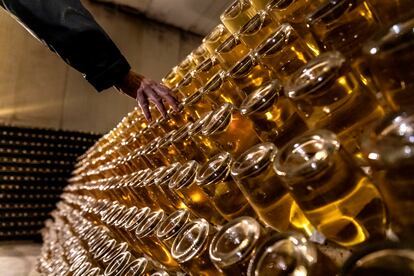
[[145, 90]]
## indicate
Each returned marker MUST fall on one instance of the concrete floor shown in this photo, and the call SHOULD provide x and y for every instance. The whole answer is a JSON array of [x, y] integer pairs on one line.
[[18, 258]]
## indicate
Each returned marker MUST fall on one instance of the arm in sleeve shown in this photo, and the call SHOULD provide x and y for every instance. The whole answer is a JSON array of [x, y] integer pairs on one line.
[[71, 31]]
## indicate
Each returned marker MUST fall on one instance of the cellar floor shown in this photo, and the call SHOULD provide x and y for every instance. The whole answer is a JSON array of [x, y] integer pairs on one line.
[[18, 258]]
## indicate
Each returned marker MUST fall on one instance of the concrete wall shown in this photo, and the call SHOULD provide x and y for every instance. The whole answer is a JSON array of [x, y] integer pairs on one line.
[[38, 89]]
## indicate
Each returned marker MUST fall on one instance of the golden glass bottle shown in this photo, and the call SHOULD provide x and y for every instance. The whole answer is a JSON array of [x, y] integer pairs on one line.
[[145, 136], [188, 148], [237, 14], [327, 94], [172, 122], [221, 89], [145, 194], [200, 54], [117, 265], [168, 151], [389, 57], [391, 11], [190, 248], [114, 252], [343, 25], [189, 85], [231, 51], [208, 146], [231, 130], [206, 70], [235, 244], [157, 194], [132, 190], [215, 38], [334, 194], [172, 78], [380, 259], [171, 226], [163, 181], [197, 104], [284, 52], [389, 148], [139, 267], [118, 226], [275, 118], [248, 74], [150, 244], [156, 129], [186, 66], [257, 29], [294, 13], [215, 180], [127, 230], [153, 155], [265, 191], [290, 254], [184, 185]]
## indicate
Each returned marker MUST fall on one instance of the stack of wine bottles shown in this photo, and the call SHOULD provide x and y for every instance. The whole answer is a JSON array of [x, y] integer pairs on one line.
[[34, 167], [295, 134]]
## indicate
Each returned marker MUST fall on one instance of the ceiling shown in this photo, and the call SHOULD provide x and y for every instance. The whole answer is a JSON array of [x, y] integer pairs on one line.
[[197, 16]]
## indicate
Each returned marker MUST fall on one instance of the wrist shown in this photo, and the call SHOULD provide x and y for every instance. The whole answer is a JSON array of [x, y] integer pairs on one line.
[[129, 84]]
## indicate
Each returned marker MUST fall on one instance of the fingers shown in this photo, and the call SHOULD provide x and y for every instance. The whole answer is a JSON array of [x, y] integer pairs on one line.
[[153, 97], [143, 103], [151, 91], [165, 93]]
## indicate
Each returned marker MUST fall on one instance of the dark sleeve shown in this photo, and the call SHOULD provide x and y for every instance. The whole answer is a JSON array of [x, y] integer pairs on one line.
[[71, 31]]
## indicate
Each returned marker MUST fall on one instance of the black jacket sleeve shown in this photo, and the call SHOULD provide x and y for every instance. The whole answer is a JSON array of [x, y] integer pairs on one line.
[[71, 31]]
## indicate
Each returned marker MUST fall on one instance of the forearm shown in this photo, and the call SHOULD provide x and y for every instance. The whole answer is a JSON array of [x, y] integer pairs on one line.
[[71, 31]]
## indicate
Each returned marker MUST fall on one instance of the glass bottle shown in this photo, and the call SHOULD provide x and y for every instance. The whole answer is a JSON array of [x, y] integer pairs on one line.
[[265, 191], [389, 56], [156, 194], [231, 51], [168, 151], [163, 181], [150, 244], [275, 118], [197, 104], [215, 180], [327, 94], [171, 226], [232, 131], [248, 74], [190, 248], [184, 185], [208, 146], [257, 29], [381, 259], [139, 267], [343, 25], [172, 78], [200, 54], [188, 148], [391, 11], [215, 38], [284, 52], [189, 85], [237, 14], [221, 89], [206, 70], [290, 254], [116, 267], [335, 195], [389, 146], [235, 244]]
